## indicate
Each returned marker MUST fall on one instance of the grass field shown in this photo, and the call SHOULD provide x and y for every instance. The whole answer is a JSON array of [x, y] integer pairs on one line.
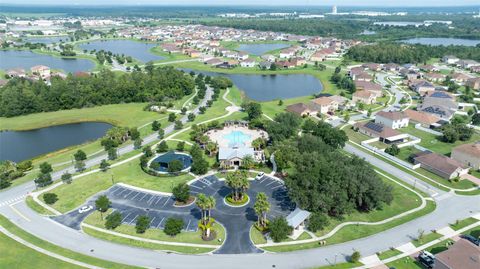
[[156, 234], [129, 115], [434, 143], [16, 255], [40, 262], [141, 244]]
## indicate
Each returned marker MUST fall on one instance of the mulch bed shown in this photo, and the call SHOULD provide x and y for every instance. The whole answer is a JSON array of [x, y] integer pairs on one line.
[[190, 200]]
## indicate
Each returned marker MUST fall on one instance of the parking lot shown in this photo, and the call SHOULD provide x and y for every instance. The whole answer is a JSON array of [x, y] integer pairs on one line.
[[132, 203]]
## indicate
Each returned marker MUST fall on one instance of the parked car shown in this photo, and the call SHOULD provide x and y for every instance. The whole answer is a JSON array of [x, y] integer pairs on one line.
[[259, 176], [84, 209], [472, 239], [427, 259]]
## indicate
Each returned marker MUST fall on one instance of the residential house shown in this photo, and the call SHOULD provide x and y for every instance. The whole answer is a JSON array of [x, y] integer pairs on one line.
[[363, 77], [372, 66], [428, 68], [440, 165], [450, 59], [242, 56], [214, 62], [298, 61], [284, 64], [41, 70], [462, 255], [460, 77], [466, 64], [426, 120], [391, 67], [392, 119], [372, 87], [384, 133], [248, 63], [343, 103], [301, 109], [468, 154], [364, 96], [354, 72], [324, 105], [439, 103], [265, 65], [473, 83], [268, 58], [422, 87], [475, 69], [16, 72], [434, 77], [287, 53]]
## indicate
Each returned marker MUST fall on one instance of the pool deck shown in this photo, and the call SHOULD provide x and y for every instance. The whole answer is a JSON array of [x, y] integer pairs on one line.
[[219, 135]]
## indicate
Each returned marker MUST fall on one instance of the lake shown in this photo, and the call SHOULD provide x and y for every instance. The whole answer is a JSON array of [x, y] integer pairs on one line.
[[260, 49], [442, 41], [138, 50], [22, 145], [26, 59], [47, 39], [272, 87]]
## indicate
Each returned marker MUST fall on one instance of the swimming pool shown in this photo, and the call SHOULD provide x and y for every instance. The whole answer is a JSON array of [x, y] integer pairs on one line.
[[237, 138]]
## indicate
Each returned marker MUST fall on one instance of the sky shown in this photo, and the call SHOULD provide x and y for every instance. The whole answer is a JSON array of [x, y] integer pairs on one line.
[[377, 3]]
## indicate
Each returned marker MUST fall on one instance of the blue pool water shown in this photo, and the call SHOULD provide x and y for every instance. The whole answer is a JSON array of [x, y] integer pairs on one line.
[[237, 138]]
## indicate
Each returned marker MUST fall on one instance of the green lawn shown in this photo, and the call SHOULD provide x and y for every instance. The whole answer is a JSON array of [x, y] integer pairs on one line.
[[342, 265], [271, 108], [141, 244], [356, 137], [256, 236], [130, 115], [36, 207], [16, 255], [463, 223], [406, 152], [388, 253], [35, 263], [156, 234], [434, 143], [426, 238], [72, 195]]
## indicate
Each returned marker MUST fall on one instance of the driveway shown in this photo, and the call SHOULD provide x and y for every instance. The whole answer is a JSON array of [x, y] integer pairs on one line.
[[237, 221]]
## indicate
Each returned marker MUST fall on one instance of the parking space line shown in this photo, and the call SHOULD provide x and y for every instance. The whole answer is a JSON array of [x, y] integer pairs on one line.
[[138, 193], [276, 187], [188, 225], [123, 220], [122, 192], [133, 220], [147, 197], [159, 200], [129, 192], [142, 197], [165, 202], [196, 187], [152, 221], [153, 197], [264, 178], [160, 223], [271, 183], [194, 191]]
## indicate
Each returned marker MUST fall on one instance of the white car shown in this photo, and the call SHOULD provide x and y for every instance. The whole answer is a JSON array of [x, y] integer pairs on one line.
[[84, 209], [260, 175]]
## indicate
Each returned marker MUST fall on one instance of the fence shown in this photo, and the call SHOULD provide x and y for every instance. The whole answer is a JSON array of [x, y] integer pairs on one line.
[[428, 130]]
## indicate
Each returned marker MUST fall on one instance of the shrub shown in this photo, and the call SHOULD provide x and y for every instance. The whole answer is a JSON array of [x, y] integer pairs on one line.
[[181, 192], [113, 220], [173, 226], [317, 221], [279, 229], [355, 257], [143, 223], [50, 198]]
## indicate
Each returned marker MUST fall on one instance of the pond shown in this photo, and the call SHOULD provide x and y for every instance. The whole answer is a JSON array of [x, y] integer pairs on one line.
[[22, 145], [26, 59], [260, 49], [47, 39], [442, 41], [138, 50], [272, 87]]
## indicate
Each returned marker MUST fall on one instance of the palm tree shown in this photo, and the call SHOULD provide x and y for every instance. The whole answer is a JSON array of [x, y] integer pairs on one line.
[[261, 207], [202, 203], [258, 143], [211, 202], [248, 162], [211, 147], [238, 182]]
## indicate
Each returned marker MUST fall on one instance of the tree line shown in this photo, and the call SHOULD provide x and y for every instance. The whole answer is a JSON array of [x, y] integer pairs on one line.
[[21, 96], [388, 52]]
